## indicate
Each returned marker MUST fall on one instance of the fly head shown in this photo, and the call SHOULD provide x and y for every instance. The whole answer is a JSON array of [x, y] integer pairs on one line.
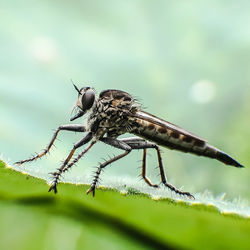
[[86, 99]]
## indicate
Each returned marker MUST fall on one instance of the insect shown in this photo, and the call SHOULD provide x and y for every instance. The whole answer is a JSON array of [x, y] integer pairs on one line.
[[115, 112]]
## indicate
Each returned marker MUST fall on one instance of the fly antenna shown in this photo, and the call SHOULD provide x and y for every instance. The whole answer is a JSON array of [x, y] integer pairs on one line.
[[75, 87]]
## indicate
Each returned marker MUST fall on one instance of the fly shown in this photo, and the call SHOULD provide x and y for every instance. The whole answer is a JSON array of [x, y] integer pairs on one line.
[[115, 112]]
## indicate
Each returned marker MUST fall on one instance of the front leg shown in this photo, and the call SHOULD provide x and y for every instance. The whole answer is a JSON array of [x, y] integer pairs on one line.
[[58, 173], [69, 127]]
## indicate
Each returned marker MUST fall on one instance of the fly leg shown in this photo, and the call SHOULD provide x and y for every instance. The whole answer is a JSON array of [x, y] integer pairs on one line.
[[78, 157], [69, 127], [138, 143], [163, 178], [115, 143], [57, 174], [146, 179]]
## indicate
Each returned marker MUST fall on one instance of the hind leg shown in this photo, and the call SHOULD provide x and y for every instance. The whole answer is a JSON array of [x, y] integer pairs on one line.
[[138, 143]]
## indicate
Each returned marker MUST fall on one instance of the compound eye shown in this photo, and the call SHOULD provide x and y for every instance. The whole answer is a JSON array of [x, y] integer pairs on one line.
[[88, 99]]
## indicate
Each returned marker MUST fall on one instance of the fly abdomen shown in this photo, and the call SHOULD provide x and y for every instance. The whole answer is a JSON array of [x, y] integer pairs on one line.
[[215, 153], [166, 137], [170, 136]]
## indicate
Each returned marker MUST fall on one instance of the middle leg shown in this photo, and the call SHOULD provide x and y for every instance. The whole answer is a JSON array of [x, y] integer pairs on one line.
[[115, 143], [146, 179], [139, 143]]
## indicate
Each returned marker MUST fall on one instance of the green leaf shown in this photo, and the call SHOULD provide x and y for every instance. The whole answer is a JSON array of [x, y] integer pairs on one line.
[[32, 218]]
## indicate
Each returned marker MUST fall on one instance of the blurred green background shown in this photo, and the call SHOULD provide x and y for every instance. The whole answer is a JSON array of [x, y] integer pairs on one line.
[[186, 61]]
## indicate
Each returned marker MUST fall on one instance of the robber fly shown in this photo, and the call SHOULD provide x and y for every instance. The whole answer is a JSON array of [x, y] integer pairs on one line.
[[115, 112]]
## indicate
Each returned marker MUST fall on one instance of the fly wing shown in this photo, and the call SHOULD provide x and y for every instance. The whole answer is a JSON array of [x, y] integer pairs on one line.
[[169, 135], [170, 126], [166, 134]]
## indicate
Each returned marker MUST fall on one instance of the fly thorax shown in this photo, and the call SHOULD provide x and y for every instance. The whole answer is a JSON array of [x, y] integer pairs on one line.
[[95, 116]]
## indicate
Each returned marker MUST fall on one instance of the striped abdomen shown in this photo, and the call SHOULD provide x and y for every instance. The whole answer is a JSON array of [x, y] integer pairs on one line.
[[171, 136]]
